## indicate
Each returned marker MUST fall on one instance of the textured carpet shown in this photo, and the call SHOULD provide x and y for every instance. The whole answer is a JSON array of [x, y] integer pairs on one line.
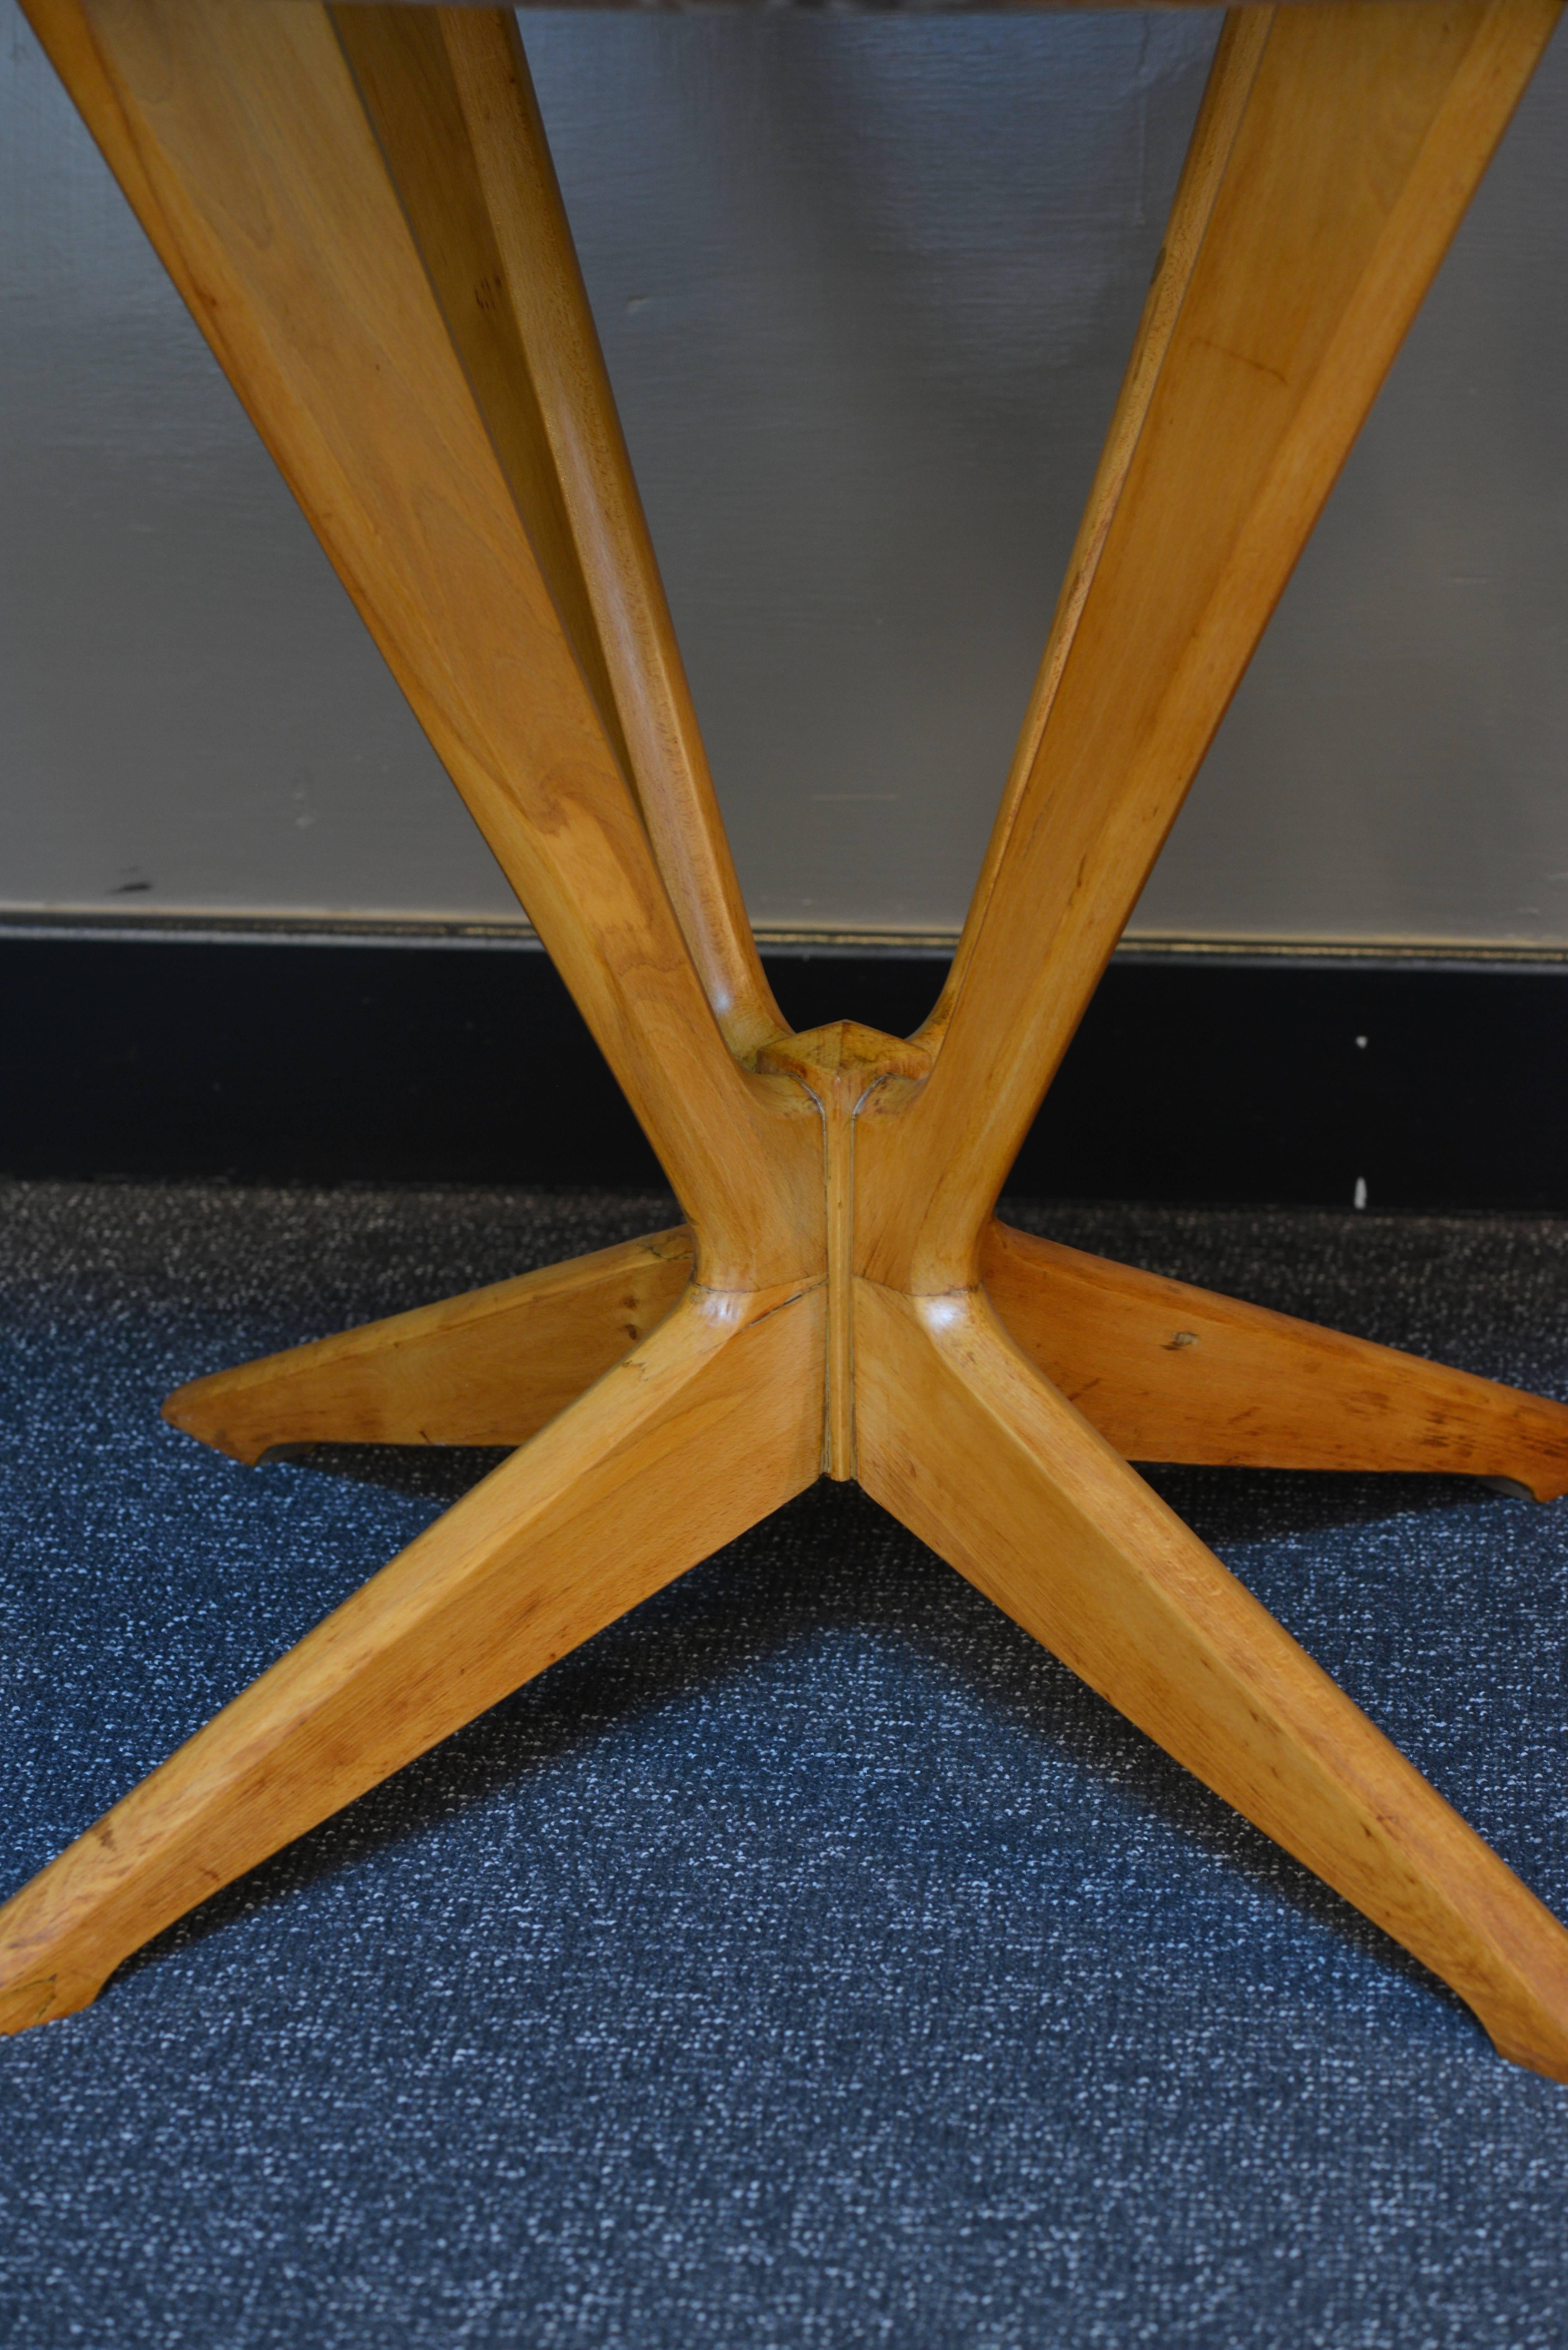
[[809, 1960]]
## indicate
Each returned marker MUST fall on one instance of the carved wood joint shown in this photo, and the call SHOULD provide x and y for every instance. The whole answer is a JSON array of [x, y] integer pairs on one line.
[[841, 1066]]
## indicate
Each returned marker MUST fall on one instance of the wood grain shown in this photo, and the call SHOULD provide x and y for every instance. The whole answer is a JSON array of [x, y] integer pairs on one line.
[[252, 153], [712, 1423], [840, 1065], [1365, 128], [1167, 1372], [361, 213], [449, 95], [488, 1368], [964, 1441], [1243, 36]]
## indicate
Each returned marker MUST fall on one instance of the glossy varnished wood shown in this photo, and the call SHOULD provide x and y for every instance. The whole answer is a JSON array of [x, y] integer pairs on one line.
[[266, 190], [490, 1368], [1351, 144], [1164, 1372], [449, 95], [710, 1425], [840, 1066], [965, 1442], [1167, 1372], [360, 208]]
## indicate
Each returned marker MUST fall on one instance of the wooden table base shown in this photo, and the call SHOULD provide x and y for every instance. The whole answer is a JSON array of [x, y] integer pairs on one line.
[[358, 205]]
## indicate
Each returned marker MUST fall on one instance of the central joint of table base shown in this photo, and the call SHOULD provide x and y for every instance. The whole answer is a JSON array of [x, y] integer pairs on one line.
[[657, 1418]]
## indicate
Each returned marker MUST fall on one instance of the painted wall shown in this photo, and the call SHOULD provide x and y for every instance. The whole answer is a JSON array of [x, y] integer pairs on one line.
[[865, 285]]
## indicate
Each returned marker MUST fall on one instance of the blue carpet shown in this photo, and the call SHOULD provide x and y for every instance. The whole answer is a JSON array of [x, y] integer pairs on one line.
[[810, 1960]]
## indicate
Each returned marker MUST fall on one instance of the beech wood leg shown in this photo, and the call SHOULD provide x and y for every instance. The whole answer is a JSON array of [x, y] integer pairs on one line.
[[319, 265], [710, 1425], [449, 94], [1336, 148], [960, 1438], [1167, 1372], [358, 207], [488, 1368]]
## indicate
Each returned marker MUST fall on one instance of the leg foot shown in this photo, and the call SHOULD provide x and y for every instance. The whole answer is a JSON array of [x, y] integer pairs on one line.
[[981, 1457], [1167, 1372], [490, 1368], [710, 1425]]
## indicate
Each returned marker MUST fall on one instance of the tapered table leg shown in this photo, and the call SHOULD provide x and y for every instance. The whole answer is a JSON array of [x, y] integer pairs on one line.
[[489, 1368], [975, 1450], [1168, 1372], [315, 265], [1336, 152], [710, 1425]]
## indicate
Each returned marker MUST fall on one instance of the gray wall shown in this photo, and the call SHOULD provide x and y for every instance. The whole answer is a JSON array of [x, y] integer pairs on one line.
[[865, 285]]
